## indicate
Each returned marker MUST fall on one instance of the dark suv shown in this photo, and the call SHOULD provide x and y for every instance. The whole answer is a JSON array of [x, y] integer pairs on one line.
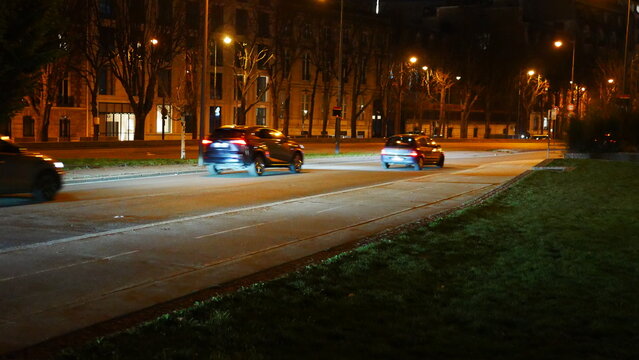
[[251, 148], [412, 150], [25, 172]]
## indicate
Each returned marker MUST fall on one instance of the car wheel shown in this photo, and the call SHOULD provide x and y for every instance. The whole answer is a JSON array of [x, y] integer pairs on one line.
[[419, 164], [45, 187], [440, 162], [385, 165], [213, 170], [296, 164], [257, 167]]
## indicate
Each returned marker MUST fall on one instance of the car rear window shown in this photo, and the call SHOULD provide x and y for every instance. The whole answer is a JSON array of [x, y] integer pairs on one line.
[[401, 141], [228, 133]]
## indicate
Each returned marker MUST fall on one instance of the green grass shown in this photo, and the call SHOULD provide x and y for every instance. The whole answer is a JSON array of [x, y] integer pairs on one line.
[[548, 269], [71, 164]]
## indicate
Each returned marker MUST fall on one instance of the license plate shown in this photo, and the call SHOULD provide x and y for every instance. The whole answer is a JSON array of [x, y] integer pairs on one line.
[[220, 145], [397, 158]]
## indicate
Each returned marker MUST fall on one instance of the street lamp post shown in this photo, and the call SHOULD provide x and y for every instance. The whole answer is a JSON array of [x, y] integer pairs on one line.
[[227, 40], [205, 52], [340, 89], [625, 51]]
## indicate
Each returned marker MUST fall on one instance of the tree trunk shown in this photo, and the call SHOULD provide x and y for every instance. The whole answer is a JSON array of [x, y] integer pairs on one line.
[[442, 111], [487, 118]]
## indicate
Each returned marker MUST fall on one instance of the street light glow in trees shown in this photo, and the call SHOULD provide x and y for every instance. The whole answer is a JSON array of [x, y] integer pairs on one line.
[[558, 44], [226, 40]]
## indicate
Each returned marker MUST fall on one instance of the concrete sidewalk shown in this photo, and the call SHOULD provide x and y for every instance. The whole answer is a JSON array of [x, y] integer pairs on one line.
[[65, 285]]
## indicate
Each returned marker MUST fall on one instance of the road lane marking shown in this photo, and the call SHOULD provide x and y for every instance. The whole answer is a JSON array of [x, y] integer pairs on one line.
[[68, 266], [202, 216], [329, 209], [227, 231]]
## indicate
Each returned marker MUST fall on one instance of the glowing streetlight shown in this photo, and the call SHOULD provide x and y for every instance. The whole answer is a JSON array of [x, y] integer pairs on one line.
[[424, 68], [154, 41], [227, 40], [413, 60], [458, 78], [611, 81], [531, 72]]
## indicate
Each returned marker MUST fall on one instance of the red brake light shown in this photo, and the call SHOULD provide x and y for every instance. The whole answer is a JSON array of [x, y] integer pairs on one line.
[[207, 142], [239, 142], [413, 153]]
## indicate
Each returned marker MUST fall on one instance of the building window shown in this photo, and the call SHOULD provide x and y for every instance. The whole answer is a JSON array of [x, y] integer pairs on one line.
[[64, 127], [262, 88], [305, 107], [260, 116], [164, 83], [28, 126], [216, 86], [263, 24], [106, 9], [167, 119], [241, 21], [217, 18], [165, 12], [63, 93], [105, 82], [306, 67]]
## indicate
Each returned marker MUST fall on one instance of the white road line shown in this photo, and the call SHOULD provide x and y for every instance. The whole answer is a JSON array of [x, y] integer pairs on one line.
[[68, 266], [229, 230], [329, 209]]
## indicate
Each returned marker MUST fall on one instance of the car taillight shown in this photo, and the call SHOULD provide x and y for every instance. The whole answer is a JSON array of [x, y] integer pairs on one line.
[[239, 142], [413, 153], [207, 142]]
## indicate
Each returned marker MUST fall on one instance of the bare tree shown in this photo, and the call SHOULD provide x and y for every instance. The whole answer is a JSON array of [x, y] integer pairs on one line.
[[248, 57], [86, 44], [532, 87], [44, 93], [146, 38], [443, 82]]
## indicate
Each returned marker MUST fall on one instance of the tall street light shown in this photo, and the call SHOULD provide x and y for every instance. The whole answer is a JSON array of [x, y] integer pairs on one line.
[[340, 89], [205, 53], [625, 50], [226, 40]]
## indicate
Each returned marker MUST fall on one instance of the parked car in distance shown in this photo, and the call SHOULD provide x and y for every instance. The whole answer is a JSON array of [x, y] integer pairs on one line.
[[251, 148], [540, 137], [26, 172], [412, 150]]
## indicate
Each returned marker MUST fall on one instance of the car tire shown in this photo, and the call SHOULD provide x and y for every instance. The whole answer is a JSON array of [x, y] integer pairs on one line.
[[45, 187], [213, 170], [385, 165], [419, 164], [440, 162], [296, 164], [257, 167]]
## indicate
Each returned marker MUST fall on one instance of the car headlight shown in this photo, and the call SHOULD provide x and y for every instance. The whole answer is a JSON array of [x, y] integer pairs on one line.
[[58, 164]]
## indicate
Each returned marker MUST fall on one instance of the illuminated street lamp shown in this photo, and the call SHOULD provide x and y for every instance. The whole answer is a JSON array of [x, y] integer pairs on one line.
[[226, 40], [559, 44], [611, 81], [531, 72]]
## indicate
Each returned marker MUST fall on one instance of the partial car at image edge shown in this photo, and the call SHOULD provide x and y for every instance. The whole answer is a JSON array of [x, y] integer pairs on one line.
[[26, 172]]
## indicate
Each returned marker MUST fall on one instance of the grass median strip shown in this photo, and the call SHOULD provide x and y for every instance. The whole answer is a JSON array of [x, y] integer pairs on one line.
[[95, 163], [547, 269]]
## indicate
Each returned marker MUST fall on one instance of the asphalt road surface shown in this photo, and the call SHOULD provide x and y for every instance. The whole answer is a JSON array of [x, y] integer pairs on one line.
[[106, 249]]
